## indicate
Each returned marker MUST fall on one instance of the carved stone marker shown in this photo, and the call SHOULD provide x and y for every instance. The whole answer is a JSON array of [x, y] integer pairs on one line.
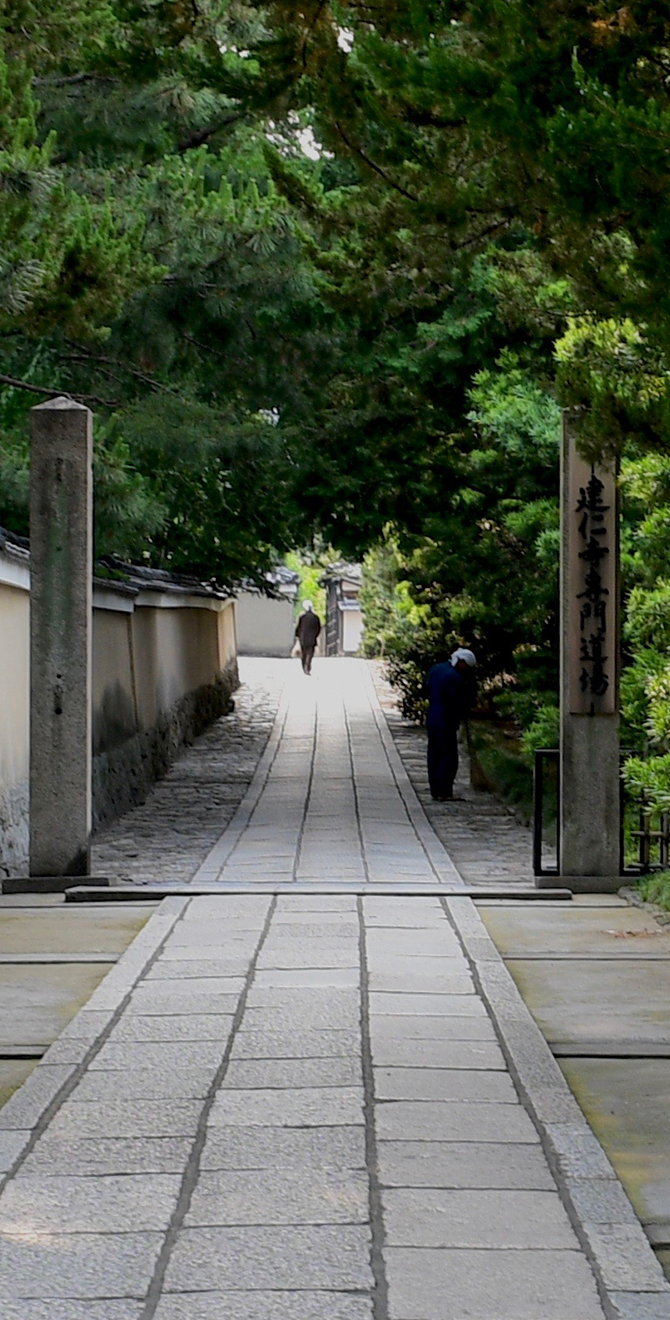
[[589, 782], [61, 554]]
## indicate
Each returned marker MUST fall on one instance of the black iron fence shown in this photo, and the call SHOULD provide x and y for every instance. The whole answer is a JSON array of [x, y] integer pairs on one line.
[[650, 840]]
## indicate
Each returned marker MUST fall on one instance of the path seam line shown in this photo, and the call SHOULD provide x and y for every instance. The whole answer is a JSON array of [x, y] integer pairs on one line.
[[427, 838], [220, 852], [192, 1170], [560, 1123], [377, 1262], [65, 1089]]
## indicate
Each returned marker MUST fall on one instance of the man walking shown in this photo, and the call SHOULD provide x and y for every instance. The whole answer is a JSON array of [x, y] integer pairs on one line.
[[450, 688], [307, 630]]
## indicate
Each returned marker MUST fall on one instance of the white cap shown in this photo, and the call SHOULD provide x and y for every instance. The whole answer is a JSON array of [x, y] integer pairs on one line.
[[462, 653], [307, 604]]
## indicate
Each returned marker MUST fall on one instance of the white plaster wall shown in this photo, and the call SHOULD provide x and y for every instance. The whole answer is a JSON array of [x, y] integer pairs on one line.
[[148, 653], [264, 626], [352, 631], [14, 718], [177, 649]]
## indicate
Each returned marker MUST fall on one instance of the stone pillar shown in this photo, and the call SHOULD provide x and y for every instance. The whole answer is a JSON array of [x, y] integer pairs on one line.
[[589, 823], [61, 560]]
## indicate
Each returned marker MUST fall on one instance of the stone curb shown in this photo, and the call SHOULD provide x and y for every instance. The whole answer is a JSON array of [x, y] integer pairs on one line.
[[217, 857], [631, 1282], [632, 898], [31, 1108], [433, 847]]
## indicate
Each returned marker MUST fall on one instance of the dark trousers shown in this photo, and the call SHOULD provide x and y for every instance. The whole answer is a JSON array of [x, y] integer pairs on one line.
[[442, 762], [307, 655]]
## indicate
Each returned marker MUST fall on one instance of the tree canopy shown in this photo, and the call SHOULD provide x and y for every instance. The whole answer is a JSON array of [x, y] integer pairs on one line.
[[330, 270]]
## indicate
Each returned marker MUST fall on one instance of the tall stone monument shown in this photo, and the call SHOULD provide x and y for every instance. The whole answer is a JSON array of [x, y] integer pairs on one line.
[[590, 811], [61, 552]]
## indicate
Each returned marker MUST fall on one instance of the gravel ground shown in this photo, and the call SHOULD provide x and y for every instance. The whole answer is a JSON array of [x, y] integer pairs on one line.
[[165, 839]]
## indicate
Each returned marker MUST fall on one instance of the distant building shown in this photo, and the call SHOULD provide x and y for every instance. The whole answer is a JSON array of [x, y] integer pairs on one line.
[[265, 624], [344, 619]]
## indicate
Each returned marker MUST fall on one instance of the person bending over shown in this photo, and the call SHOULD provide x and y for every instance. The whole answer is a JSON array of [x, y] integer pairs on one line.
[[450, 689]]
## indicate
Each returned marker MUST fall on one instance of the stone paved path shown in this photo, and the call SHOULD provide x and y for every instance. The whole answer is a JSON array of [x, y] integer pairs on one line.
[[330, 799], [323, 1106]]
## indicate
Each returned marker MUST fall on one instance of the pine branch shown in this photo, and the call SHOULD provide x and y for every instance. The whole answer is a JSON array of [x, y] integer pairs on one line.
[[72, 79], [54, 394], [319, 10], [358, 151], [83, 356], [202, 135]]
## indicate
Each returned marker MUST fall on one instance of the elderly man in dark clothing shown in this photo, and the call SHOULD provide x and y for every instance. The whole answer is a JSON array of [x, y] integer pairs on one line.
[[307, 630], [450, 688]]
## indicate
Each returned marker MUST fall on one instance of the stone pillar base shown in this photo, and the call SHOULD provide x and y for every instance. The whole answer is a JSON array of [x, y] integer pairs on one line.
[[48, 884], [582, 884]]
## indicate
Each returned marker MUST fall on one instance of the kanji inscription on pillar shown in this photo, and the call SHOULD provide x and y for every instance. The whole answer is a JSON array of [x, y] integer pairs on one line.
[[592, 549]]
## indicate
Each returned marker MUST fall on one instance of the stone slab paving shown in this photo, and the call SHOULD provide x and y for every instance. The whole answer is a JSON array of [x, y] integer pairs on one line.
[[331, 800], [310, 1172], [320, 1106]]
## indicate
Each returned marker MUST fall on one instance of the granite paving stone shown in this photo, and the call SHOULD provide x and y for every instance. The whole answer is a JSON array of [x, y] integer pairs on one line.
[[78, 1265], [427, 1217], [11, 1144], [307, 1016], [308, 978], [428, 1120], [462, 1002], [146, 1002], [413, 1027], [27, 1105], [463, 1164], [252, 1043], [96, 1157], [130, 1204], [303, 1148], [158, 1084], [262, 1306], [163, 1055], [292, 1073], [404, 1052], [428, 984], [444, 1084], [231, 977], [86, 1025], [321, 999], [624, 1258], [490, 1285], [600, 1201], [291, 1196], [172, 1027], [52, 1309], [330, 1257], [641, 1306], [126, 1118], [307, 1107]]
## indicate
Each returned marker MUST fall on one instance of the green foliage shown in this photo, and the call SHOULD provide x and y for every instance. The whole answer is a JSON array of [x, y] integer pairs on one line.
[[366, 345], [310, 565], [543, 731], [656, 889]]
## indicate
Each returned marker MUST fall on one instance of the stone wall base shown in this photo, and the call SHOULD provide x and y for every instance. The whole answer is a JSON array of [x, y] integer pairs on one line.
[[14, 829], [123, 775]]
